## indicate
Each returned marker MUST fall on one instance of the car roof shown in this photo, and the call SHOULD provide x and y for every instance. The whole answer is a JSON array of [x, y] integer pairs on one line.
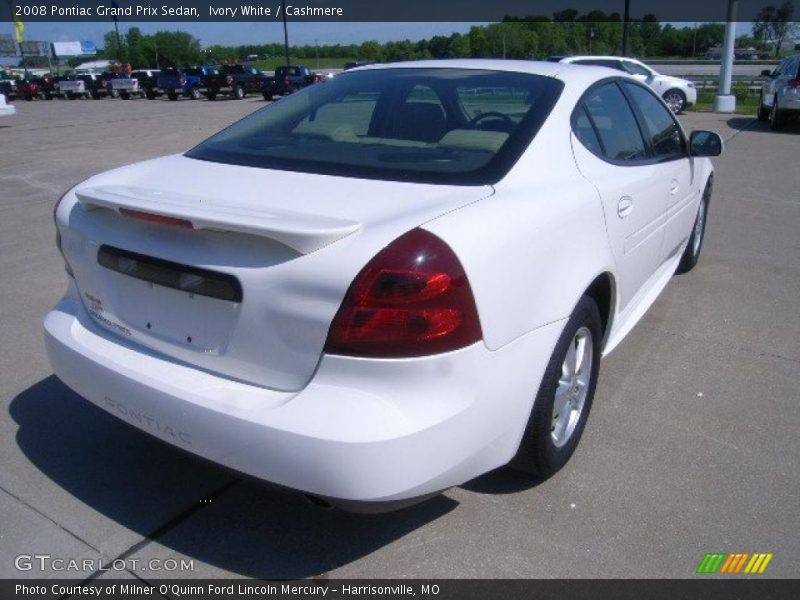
[[597, 57], [580, 75]]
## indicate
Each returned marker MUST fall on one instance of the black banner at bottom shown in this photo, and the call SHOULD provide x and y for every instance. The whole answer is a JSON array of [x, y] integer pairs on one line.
[[429, 589]]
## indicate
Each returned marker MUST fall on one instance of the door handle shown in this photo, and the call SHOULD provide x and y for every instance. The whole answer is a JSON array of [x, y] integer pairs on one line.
[[625, 206], [674, 186]]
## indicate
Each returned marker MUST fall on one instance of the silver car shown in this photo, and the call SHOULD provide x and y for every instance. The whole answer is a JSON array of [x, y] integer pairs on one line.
[[780, 94]]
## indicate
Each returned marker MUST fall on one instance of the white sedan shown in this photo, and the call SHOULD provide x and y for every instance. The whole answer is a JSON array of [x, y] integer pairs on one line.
[[382, 287], [677, 93]]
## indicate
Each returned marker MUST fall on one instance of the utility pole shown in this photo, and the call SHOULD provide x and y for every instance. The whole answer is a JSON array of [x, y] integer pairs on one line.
[[285, 31], [626, 22], [724, 101]]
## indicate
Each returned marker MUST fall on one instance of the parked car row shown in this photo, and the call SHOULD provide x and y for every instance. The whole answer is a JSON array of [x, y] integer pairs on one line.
[[235, 80]]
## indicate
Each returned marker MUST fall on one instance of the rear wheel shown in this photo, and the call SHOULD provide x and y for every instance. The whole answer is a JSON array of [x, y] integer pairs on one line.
[[763, 111], [124, 95], [565, 395], [692, 252], [172, 96], [211, 95], [776, 117], [194, 94], [238, 92], [676, 100]]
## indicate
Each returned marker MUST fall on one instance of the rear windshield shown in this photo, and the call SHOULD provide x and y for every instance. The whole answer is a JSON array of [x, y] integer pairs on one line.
[[193, 71], [170, 71], [440, 125]]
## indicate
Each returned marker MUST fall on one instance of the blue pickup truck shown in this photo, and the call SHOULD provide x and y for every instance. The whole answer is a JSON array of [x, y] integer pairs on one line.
[[187, 82]]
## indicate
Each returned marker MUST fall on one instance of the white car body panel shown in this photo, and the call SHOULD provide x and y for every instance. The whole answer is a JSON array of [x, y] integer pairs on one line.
[[6, 110], [253, 389]]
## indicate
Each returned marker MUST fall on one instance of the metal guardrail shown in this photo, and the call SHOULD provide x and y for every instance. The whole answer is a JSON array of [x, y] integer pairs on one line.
[[711, 84]]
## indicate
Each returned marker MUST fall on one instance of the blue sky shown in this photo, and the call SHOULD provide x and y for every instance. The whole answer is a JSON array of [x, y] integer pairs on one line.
[[246, 33]]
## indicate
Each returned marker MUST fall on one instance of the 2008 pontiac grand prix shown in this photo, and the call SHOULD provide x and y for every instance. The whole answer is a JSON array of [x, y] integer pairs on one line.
[[386, 285]]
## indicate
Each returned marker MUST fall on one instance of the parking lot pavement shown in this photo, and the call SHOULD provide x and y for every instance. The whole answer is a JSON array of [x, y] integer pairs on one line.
[[691, 446]]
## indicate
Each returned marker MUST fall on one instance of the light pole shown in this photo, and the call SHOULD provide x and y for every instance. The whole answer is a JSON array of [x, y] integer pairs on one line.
[[724, 101], [285, 32], [626, 22]]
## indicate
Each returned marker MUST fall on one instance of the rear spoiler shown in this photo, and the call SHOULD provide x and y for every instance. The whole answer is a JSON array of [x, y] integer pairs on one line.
[[302, 232]]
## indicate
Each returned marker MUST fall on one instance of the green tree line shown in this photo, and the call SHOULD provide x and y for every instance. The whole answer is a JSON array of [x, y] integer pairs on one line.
[[565, 32]]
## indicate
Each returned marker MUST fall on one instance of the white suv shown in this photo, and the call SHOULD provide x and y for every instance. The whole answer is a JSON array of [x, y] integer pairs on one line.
[[677, 93], [780, 94]]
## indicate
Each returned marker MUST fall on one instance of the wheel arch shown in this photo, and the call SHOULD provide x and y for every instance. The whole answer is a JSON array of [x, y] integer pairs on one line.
[[603, 291]]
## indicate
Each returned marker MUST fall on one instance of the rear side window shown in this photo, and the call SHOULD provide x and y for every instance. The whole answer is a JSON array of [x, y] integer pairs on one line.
[[663, 133], [635, 69], [586, 133], [615, 124]]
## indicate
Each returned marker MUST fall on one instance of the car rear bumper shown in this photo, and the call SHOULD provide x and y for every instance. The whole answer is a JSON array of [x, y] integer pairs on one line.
[[790, 100], [361, 430]]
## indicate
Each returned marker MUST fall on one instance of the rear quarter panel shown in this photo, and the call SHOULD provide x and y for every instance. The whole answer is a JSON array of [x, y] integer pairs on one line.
[[531, 250]]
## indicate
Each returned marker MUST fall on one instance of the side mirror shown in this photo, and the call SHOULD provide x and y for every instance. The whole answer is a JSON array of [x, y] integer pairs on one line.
[[766, 73], [705, 143]]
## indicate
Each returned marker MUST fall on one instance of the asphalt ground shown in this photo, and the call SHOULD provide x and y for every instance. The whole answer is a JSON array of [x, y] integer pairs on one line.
[[691, 446]]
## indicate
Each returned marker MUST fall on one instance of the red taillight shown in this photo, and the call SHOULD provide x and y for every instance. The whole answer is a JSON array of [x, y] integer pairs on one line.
[[412, 299], [793, 83], [154, 218]]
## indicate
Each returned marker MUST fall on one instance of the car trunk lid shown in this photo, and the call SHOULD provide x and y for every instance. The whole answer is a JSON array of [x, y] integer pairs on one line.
[[160, 248]]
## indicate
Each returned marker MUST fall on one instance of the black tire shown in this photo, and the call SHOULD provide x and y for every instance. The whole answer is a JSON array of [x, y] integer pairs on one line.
[[150, 95], [776, 117], [237, 93], [538, 453], [172, 96], [691, 255], [676, 100], [211, 95], [763, 111], [124, 95], [267, 97], [194, 93], [95, 95], [71, 96]]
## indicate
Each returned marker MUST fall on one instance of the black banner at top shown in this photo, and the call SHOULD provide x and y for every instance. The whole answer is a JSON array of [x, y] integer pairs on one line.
[[371, 10]]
